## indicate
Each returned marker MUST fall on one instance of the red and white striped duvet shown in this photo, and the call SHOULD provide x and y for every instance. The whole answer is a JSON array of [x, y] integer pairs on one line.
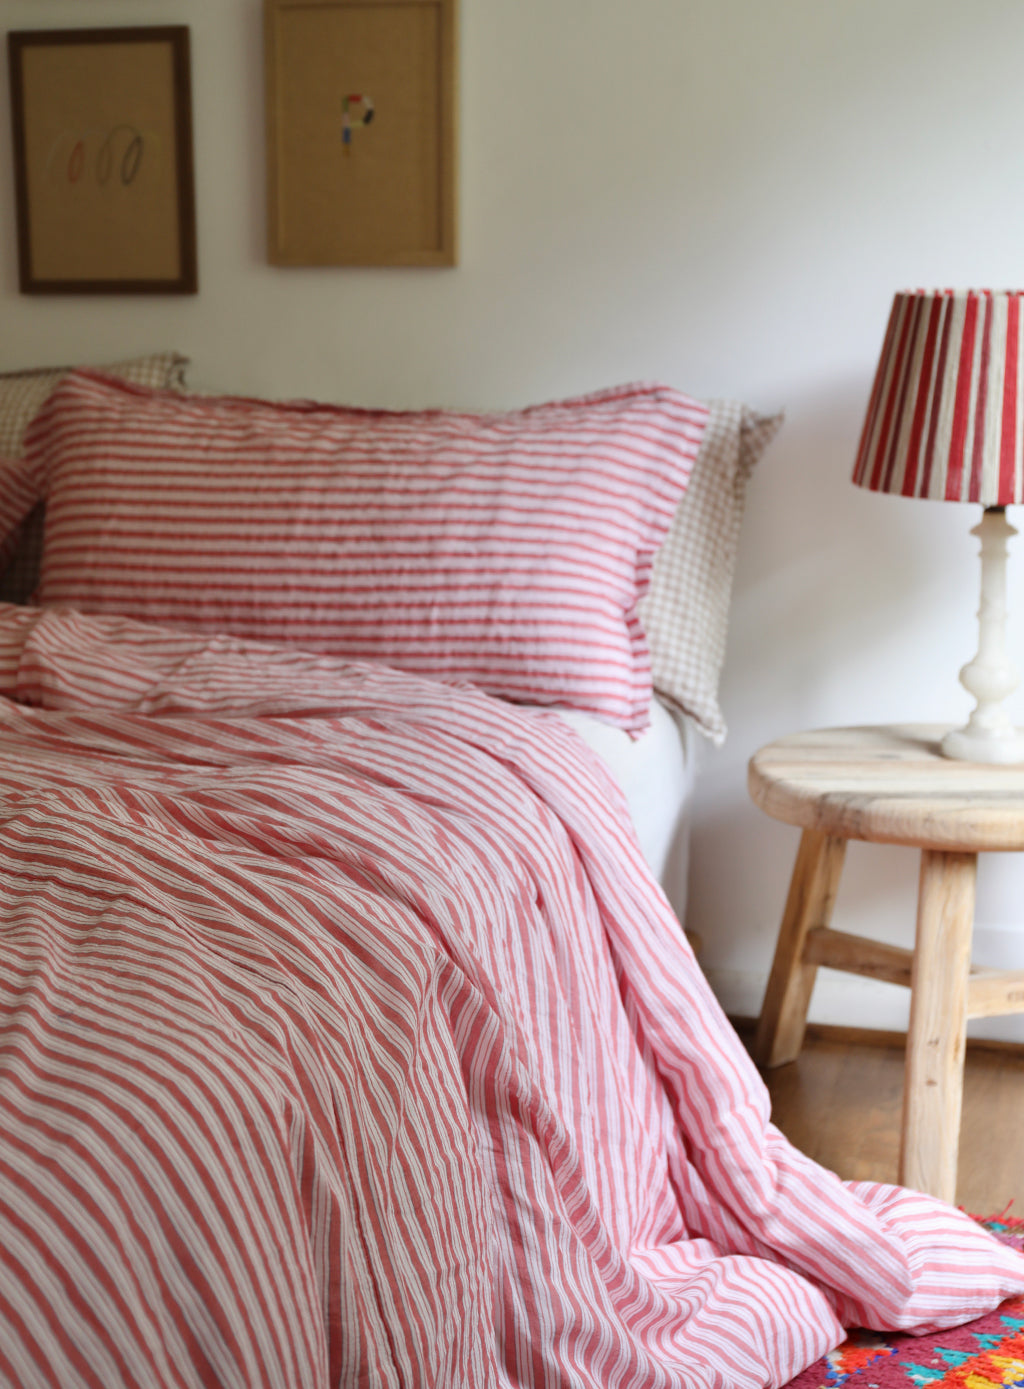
[[345, 1040]]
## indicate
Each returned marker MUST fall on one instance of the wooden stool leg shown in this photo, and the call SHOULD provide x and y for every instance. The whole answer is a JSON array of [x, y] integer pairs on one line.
[[812, 893], [937, 1036]]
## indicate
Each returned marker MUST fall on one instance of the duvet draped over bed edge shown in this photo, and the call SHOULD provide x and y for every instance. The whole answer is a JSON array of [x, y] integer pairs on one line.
[[345, 1039]]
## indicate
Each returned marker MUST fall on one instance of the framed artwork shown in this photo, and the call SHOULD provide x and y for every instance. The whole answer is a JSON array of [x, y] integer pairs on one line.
[[102, 126], [360, 105]]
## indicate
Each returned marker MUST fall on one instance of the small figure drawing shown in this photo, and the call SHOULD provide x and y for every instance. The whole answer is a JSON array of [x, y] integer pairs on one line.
[[355, 99]]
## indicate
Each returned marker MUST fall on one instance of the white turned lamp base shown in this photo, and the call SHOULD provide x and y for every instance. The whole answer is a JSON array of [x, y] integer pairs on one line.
[[989, 736], [968, 745]]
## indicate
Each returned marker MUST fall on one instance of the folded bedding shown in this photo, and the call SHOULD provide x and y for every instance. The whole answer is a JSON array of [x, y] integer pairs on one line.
[[346, 1038]]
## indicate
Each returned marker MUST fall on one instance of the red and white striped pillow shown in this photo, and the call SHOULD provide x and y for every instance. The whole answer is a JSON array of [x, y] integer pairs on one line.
[[22, 393], [508, 550]]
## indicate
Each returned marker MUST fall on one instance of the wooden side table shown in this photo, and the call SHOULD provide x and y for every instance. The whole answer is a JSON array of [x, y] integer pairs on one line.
[[891, 785]]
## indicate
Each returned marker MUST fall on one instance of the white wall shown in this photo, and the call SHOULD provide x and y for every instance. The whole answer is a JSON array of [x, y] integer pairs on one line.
[[720, 193]]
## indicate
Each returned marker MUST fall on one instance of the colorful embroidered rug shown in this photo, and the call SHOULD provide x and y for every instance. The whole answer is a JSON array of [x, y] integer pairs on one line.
[[984, 1354]]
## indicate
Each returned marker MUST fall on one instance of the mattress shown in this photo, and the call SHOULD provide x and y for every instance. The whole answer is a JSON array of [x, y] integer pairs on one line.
[[656, 773]]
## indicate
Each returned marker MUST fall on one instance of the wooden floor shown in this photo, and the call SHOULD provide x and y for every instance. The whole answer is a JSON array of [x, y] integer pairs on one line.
[[840, 1102]]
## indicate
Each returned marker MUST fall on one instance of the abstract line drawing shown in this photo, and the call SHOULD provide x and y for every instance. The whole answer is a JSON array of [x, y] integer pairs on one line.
[[354, 99], [118, 156], [102, 130], [131, 157]]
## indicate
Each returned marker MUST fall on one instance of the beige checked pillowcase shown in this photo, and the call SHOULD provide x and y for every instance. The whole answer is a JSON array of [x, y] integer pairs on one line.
[[22, 396], [686, 611]]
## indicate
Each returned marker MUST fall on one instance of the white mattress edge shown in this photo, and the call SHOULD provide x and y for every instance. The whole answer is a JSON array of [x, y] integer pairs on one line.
[[657, 772]]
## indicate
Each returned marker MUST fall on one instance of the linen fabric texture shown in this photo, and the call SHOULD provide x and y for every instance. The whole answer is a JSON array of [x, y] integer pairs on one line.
[[23, 393], [686, 611], [506, 550], [22, 396], [372, 1054]]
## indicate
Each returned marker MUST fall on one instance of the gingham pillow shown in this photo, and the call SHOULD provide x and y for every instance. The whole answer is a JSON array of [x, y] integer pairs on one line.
[[22, 395], [686, 611], [508, 550]]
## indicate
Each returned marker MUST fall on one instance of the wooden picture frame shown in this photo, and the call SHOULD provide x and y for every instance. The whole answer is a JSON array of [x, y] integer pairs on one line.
[[361, 128], [102, 127]]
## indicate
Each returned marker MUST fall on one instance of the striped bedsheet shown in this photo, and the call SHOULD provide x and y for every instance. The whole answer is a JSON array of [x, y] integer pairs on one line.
[[345, 1039]]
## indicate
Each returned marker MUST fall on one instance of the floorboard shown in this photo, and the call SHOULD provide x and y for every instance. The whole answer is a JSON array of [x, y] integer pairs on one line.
[[840, 1102]]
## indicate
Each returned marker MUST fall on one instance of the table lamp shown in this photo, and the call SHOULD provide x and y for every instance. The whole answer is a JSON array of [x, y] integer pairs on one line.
[[945, 421]]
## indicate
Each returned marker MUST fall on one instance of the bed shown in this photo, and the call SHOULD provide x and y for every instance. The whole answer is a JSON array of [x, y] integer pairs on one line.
[[347, 1035], [685, 612]]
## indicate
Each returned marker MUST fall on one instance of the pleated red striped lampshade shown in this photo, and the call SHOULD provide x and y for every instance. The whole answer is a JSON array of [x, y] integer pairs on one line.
[[945, 418]]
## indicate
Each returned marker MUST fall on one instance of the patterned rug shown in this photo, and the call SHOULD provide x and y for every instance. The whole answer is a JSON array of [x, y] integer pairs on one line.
[[984, 1354]]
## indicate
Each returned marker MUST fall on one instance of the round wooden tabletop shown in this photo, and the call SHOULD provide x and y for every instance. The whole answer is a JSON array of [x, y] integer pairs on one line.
[[891, 785]]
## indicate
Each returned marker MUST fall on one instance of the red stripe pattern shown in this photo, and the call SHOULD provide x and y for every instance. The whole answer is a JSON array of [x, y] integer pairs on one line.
[[344, 1038], [506, 550], [946, 414]]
